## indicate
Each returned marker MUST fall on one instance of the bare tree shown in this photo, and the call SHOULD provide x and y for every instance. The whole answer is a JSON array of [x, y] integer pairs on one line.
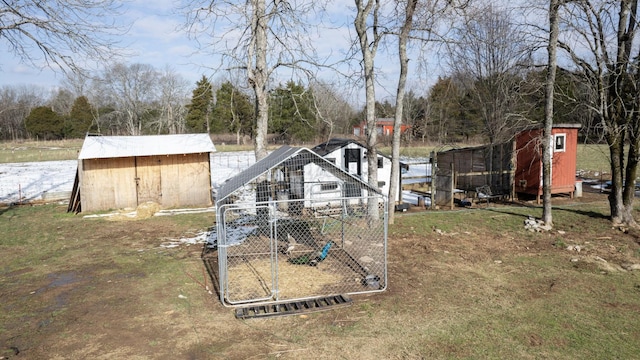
[[550, 82], [172, 89], [62, 101], [64, 34], [76, 83], [332, 110], [258, 37], [367, 23], [403, 38], [600, 38], [16, 103], [488, 55], [428, 14], [130, 90]]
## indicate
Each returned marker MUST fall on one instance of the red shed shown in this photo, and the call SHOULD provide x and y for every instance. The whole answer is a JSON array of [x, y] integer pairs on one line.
[[384, 127], [528, 170]]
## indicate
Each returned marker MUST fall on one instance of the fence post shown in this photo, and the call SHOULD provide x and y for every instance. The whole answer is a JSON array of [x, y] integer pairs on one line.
[[452, 184]]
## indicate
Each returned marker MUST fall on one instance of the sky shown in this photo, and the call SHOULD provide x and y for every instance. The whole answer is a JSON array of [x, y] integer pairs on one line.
[[154, 39]]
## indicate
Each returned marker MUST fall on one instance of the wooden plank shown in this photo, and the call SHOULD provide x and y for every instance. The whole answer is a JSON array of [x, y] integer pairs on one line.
[[108, 184], [148, 179], [186, 180], [74, 201]]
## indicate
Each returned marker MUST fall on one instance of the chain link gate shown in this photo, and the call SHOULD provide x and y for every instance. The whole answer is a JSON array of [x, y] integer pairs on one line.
[[275, 243]]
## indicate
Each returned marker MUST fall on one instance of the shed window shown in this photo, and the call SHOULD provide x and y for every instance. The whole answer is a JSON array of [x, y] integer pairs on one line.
[[380, 163], [559, 143], [381, 184], [328, 186], [331, 160]]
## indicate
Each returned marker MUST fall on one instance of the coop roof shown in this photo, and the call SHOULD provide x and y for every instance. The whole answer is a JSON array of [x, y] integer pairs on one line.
[[331, 145], [293, 157], [99, 147]]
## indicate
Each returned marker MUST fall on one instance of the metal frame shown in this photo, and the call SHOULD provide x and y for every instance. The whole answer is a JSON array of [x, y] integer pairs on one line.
[[275, 246]]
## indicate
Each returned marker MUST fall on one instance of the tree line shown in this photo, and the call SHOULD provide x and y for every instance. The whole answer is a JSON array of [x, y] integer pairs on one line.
[[137, 100], [153, 102], [493, 85]]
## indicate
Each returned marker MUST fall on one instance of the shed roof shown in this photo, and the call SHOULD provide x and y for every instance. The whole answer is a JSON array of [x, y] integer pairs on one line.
[[331, 145], [100, 147], [555, 126]]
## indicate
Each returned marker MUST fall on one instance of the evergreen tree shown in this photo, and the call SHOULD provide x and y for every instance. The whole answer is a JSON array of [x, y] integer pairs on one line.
[[44, 123], [445, 121], [232, 112], [80, 119], [199, 110], [291, 113]]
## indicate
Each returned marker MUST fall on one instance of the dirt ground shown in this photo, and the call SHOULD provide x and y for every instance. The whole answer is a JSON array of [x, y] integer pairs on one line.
[[117, 294]]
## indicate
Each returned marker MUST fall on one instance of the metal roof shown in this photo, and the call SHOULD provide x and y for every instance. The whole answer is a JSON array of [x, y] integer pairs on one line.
[[101, 147], [294, 156], [555, 126], [333, 144]]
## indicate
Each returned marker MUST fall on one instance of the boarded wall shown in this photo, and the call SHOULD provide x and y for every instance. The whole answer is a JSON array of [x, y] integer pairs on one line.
[[186, 180], [169, 180], [469, 168], [528, 176], [108, 183]]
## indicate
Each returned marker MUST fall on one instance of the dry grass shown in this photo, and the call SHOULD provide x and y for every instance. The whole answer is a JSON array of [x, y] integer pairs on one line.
[[252, 279], [29, 150], [478, 287], [592, 158]]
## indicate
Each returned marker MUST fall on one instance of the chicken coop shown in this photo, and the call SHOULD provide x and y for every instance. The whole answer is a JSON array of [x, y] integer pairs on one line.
[[293, 226]]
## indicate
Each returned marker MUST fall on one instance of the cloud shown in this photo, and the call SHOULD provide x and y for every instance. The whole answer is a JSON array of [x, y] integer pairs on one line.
[[21, 69], [158, 28]]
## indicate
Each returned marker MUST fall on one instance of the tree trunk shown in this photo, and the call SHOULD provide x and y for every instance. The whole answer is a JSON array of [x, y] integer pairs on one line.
[[368, 50], [548, 112], [622, 121], [616, 203], [628, 195], [394, 181], [258, 76]]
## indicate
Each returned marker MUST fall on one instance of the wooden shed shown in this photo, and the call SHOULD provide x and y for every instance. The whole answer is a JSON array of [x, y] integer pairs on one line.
[[384, 127], [116, 172], [528, 174]]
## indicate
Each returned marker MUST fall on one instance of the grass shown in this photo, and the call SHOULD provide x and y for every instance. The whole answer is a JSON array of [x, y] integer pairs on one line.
[[593, 158], [462, 285], [30, 151]]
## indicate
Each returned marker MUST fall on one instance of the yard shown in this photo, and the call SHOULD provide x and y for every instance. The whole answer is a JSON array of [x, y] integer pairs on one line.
[[471, 284], [463, 284]]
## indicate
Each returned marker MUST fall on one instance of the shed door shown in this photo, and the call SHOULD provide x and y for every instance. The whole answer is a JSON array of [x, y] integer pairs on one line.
[[148, 179]]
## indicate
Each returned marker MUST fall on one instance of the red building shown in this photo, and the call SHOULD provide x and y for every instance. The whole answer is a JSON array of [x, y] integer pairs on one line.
[[528, 172], [383, 125]]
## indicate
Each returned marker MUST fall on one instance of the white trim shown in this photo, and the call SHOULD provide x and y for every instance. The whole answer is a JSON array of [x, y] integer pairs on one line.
[[562, 136]]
